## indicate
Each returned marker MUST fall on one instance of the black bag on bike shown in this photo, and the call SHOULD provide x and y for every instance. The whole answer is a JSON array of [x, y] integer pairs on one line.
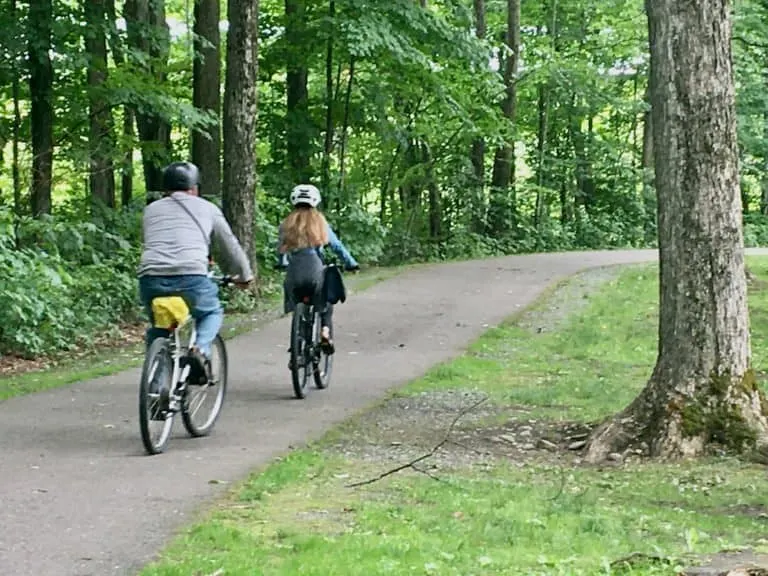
[[333, 286]]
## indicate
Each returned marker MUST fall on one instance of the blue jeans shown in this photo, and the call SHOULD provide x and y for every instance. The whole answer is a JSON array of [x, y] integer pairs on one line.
[[201, 295]]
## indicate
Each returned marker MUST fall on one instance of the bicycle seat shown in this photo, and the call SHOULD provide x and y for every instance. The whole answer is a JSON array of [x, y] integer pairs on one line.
[[169, 312]]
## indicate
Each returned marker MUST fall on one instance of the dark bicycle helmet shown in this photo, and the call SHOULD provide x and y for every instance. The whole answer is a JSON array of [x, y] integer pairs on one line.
[[180, 176]]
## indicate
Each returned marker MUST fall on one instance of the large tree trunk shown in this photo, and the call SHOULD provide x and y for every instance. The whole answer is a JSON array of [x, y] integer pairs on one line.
[[101, 140], [206, 146], [298, 135], [41, 113], [702, 390], [240, 108], [148, 35], [477, 154], [502, 201]]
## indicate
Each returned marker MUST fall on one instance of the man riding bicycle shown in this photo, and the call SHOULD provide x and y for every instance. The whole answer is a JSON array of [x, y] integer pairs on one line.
[[177, 233]]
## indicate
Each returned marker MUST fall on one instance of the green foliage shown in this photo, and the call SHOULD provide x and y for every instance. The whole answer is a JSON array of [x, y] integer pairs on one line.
[[412, 91], [63, 286]]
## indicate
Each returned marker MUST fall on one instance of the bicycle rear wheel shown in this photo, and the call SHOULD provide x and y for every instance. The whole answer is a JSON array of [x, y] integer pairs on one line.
[[199, 420], [323, 363], [300, 367], [155, 420]]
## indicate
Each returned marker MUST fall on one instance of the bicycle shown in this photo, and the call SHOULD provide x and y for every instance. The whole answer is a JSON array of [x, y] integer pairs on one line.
[[306, 353], [165, 390]]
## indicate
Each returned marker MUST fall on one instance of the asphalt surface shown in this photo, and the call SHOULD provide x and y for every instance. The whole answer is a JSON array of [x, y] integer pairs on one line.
[[79, 497]]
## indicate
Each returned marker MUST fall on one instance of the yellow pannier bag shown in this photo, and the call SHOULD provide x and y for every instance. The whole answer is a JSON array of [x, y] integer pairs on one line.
[[169, 312]]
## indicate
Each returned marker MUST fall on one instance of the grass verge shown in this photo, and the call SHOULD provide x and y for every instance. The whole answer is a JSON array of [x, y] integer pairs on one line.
[[505, 495], [107, 360]]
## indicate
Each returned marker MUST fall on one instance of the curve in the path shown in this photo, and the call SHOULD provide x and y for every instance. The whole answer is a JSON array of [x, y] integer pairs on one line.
[[77, 496]]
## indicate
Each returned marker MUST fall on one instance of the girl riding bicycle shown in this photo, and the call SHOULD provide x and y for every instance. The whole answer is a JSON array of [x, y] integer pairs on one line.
[[302, 236]]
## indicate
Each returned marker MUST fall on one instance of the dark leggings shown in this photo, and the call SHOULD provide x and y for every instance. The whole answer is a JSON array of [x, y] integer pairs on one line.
[[304, 277]]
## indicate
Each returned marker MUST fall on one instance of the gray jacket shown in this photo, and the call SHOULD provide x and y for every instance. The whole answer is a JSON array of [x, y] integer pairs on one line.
[[174, 245]]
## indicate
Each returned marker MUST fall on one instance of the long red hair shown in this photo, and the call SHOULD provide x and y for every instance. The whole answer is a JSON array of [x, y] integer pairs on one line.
[[304, 227]]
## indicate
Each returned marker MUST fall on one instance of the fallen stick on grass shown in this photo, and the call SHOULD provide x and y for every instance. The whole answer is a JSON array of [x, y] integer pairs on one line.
[[432, 452]]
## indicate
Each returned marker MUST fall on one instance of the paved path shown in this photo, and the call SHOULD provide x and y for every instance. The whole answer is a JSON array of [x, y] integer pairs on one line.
[[77, 495]]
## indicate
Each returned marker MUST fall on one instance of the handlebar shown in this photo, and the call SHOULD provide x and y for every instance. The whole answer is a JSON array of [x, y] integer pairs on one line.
[[224, 281]]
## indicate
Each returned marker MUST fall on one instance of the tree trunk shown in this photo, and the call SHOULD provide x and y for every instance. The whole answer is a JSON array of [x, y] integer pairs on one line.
[[649, 190], [206, 85], [101, 177], [477, 155], [41, 113], [702, 390], [16, 94], [502, 201], [435, 199], [329, 127], [541, 150], [764, 180], [345, 125], [149, 36], [129, 118], [240, 109], [298, 136]]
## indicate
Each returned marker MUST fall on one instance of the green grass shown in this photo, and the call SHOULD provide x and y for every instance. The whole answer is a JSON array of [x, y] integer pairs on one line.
[[510, 518], [106, 362]]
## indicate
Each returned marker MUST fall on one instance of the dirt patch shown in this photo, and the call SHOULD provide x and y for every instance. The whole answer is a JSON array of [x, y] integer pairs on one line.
[[567, 299], [743, 563], [119, 337], [405, 428], [749, 510]]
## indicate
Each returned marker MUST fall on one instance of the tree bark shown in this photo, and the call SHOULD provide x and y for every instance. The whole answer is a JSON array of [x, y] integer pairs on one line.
[[206, 85], [148, 34], [298, 135], [501, 213], [41, 113], [101, 177], [240, 109], [477, 154], [702, 390]]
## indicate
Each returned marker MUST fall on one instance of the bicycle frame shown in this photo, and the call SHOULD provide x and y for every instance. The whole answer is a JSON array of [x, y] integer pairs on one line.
[[176, 349]]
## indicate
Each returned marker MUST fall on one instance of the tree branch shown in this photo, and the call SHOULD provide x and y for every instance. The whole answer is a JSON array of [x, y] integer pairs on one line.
[[432, 452]]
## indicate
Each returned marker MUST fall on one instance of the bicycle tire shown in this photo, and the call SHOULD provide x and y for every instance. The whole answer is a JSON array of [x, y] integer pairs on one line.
[[299, 373], [221, 391], [149, 400], [323, 366]]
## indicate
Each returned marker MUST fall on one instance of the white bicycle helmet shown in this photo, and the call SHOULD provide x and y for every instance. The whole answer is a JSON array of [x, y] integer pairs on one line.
[[305, 194]]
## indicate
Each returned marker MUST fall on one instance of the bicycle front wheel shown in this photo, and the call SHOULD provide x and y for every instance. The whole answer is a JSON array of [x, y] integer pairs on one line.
[[299, 366], [202, 404], [155, 418]]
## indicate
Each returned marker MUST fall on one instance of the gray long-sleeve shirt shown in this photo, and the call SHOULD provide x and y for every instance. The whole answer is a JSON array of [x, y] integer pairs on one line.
[[175, 246]]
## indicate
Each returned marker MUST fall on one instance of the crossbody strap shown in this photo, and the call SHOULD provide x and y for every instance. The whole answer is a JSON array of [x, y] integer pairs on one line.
[[195, 220]]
